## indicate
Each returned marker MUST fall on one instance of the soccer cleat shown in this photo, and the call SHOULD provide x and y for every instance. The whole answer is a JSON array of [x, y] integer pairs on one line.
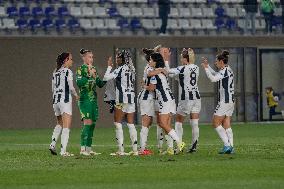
[[132, 153], [191, 150], [232, 150], [52, 150], [66, 154], [180, 147], [145, 152], [85, 153], [226, 150], [119, 154], [170, 151], [94, 153]]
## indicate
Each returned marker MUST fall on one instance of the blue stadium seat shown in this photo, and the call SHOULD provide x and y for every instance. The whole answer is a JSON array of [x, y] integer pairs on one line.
[[49, 11], [219, 23], [24, 11], [22, 24], [12, 11], [73, 24], [135, 23], [47, 24], [220, 12], [60, 24], [37, 11], [231, 24], [34, 24], [63, 11], [123, 23], [112, 12]]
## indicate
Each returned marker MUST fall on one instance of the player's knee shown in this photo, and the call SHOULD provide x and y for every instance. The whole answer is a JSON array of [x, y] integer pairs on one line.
[[118, 125]]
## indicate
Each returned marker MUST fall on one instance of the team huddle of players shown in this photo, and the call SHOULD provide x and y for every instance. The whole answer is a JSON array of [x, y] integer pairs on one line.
[[155, 100]]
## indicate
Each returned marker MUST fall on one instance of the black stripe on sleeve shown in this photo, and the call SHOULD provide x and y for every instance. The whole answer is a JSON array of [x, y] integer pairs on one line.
[[67, 92]]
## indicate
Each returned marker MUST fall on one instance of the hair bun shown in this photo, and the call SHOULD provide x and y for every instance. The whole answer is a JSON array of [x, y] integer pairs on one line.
[[225, 53], [82, 51], [147, 51]]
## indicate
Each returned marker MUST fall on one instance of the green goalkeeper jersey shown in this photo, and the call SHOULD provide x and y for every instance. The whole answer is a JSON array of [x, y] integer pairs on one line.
[[87, 84]]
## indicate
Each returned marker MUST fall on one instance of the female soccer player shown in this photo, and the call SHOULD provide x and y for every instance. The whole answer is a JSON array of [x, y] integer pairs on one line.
[[165, 98], [124, 76], [62, 87], [225, 107], [87, 79], [189, 97]]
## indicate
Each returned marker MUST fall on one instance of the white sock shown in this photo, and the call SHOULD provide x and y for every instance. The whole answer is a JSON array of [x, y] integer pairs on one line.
[[64, 139], [170, 141], [160, 137], [179, 129], [133, 136], [223, 135], [88, 149], [143, 137], [230, 135], [194, 132], [119, 136], [174, 136], [56, 132], [83, 148]]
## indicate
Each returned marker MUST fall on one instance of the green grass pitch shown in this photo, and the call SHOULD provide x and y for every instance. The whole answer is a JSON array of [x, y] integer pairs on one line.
[[25, 161]]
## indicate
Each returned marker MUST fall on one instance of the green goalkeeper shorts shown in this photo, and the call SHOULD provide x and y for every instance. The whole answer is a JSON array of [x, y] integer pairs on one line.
[[88, 110]]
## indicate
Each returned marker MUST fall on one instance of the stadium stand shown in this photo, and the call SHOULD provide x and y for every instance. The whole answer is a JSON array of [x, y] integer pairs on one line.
[[94, 16]]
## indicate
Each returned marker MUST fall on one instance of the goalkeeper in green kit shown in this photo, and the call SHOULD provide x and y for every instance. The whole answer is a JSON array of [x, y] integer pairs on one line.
[[87, 80]]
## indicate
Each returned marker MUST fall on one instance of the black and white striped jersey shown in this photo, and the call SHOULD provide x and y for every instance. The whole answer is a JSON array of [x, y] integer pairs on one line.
[[187, 76], [163, 91], [145, 94], [62, 85], [124, 83], [225, 83]]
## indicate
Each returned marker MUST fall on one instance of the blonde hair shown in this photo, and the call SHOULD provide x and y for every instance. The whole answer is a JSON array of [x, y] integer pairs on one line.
[[191, 55]]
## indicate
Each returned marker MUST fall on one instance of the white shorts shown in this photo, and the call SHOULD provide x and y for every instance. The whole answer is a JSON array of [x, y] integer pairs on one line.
[[186, 107], [167, 107], [126, 107], [147, 107], [62, 107], [224, 109]]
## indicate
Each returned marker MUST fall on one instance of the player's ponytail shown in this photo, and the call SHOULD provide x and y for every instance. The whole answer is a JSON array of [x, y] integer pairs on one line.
[[191, 56], [147, 53], [224, 56], [61, 60]]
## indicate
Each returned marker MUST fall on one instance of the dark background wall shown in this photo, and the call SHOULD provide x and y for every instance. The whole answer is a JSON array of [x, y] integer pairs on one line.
[[27, 65]]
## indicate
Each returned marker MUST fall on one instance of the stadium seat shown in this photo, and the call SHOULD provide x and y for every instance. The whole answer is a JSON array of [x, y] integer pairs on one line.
[[241, 12], [135, 24], [111, 24], [184, 12], [86, 23], [196, 12], [124, 11], [75, 11], [183, 24], [100, 24], [12, 11], [136, 12], [157, 23], [148, 24], [9, 23], [149, 12], [232, 12], [100, 12], [24, 11], [231, 24], [208, 24], [60, 24], [112, 12], [47, 24], [219, 23], [259, 24], [49, 11], [34, 24], [241, 24], [208, 12], [22, 24], [174, 13], [37, 11], [2, 12], [73, 24], [195, 24], [220, 12], [123, 23], [87, 12], [63, 11]]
